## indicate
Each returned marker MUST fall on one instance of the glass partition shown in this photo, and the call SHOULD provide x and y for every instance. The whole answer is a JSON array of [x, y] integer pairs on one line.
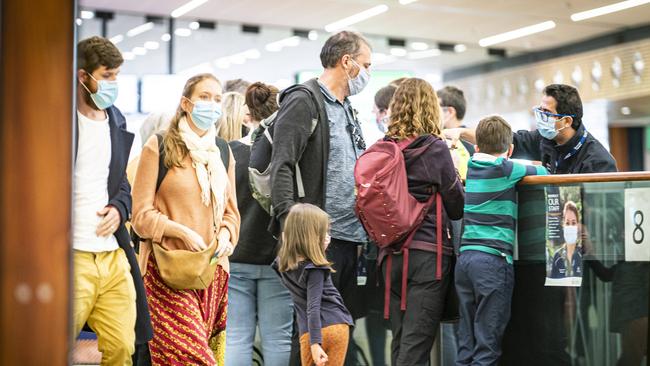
[[602, 322]]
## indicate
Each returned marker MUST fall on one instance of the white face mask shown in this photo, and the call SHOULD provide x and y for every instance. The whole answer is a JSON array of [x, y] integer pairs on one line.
[[570, 234], [359, 83]]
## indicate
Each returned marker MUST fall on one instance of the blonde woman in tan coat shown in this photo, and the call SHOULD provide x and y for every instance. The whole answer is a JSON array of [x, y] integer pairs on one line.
[[194, 205]]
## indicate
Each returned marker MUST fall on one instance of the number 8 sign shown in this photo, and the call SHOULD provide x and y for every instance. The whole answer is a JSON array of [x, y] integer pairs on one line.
[[637, 245]]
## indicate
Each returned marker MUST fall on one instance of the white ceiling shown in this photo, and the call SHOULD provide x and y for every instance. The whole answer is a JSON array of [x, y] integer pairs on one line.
[[453, 21], [464, 21]]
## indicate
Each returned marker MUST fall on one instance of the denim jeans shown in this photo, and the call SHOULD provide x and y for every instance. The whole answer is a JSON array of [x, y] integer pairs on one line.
[[256, 297]]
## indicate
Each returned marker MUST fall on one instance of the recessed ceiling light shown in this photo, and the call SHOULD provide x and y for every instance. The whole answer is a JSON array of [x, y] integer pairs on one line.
[[313, 35], [419, 46], [166, 37], [517, 33], [459, 48], [424, 54], [128, 56], [139, 51], [626, 111], [140, 29], [238, 59], [398, 51], [117, 39], [151, 45], [277, 46], [252, 54], [79, 22], [183, 32], [194, 25], [607, 9], [222, 63], [85, 14], [356, 18], [187, 7]]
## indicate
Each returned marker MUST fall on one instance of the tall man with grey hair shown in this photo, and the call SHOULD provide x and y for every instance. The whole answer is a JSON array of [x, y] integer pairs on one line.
[[318, 135]]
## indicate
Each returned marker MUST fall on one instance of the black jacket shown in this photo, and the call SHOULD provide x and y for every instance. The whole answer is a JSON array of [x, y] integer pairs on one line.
[[255, 244], [119, 193], [293, 143], [591, 158]]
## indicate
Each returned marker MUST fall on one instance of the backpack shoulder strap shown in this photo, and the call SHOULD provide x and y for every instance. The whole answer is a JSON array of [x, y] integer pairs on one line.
[[317, 97], [224, 150], [162, 169]]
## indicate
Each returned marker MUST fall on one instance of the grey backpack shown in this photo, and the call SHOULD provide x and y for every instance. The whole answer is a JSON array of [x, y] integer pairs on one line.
[[259, 167]]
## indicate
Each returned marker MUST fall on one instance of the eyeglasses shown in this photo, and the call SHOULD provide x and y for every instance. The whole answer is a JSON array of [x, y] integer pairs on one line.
[[544, 115], [357, 138]]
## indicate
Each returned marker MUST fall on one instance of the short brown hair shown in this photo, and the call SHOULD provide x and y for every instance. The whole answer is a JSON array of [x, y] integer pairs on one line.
[[261, 100], [493, 135], [95, 52], [341, 44]]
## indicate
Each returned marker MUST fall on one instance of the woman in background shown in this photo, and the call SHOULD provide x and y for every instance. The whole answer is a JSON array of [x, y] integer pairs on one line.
[[231, 124], [256, 295]]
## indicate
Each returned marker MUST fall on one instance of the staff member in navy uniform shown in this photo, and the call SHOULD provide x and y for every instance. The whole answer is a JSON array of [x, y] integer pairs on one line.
[[561, 142], [564, 146]]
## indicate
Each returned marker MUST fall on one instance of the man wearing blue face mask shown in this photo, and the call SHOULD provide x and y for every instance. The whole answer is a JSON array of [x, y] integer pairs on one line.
[[106, 276], [317, 134], [561, 142], [564, 146]]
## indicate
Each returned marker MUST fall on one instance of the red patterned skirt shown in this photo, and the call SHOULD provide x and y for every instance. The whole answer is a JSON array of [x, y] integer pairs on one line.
[[188, 325]]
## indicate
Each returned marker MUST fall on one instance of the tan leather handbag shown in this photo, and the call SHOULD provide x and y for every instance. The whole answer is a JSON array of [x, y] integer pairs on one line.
[[185, 269]]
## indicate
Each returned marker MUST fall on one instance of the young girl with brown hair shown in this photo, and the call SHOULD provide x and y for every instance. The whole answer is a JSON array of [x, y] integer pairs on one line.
[[323, 320]]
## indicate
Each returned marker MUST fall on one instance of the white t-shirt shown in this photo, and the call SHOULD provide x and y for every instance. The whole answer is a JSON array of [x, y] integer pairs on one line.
[[91, 185]]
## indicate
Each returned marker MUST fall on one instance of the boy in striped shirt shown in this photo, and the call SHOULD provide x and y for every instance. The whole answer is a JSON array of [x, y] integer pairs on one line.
[[484, 272]]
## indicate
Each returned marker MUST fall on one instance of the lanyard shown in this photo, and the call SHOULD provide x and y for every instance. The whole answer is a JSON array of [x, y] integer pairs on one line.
[[573, 151]]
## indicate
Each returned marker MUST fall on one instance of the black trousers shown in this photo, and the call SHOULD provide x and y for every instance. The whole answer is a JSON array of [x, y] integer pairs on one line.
[[415, 329]]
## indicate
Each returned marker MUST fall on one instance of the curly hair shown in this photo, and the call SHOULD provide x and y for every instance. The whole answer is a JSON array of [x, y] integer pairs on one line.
[[414, 110]]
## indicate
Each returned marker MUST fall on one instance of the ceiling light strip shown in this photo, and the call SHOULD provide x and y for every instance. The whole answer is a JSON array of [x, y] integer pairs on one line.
[[517, 33]]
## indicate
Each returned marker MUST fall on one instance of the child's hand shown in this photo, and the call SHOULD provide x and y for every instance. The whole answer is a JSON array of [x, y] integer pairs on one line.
[[319, 356]]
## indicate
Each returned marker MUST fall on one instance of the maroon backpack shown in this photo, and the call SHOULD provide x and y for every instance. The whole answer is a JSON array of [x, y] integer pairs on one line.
[[386, 208]]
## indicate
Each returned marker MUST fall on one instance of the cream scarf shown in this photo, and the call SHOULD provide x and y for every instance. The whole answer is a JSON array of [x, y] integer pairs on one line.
[[206, 160]]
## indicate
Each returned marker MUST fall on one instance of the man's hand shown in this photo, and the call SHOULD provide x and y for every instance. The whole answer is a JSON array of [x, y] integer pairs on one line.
[[110, 221], [453, 134]]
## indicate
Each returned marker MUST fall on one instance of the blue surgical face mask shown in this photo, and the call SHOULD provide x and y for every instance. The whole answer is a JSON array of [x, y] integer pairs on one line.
[[546, 124], [205, 113], [547, 129], [357, 84], [106, 92]]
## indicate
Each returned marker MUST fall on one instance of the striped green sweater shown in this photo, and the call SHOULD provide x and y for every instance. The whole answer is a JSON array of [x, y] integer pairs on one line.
[[491, 203]]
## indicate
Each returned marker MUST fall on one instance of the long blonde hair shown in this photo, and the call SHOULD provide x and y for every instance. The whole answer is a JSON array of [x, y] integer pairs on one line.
[[175, 149], [414, 110], [232, 118], [303, 237]]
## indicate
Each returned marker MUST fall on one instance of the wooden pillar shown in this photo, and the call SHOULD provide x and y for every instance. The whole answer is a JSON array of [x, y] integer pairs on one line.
[[36, 104], [618, 145]]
